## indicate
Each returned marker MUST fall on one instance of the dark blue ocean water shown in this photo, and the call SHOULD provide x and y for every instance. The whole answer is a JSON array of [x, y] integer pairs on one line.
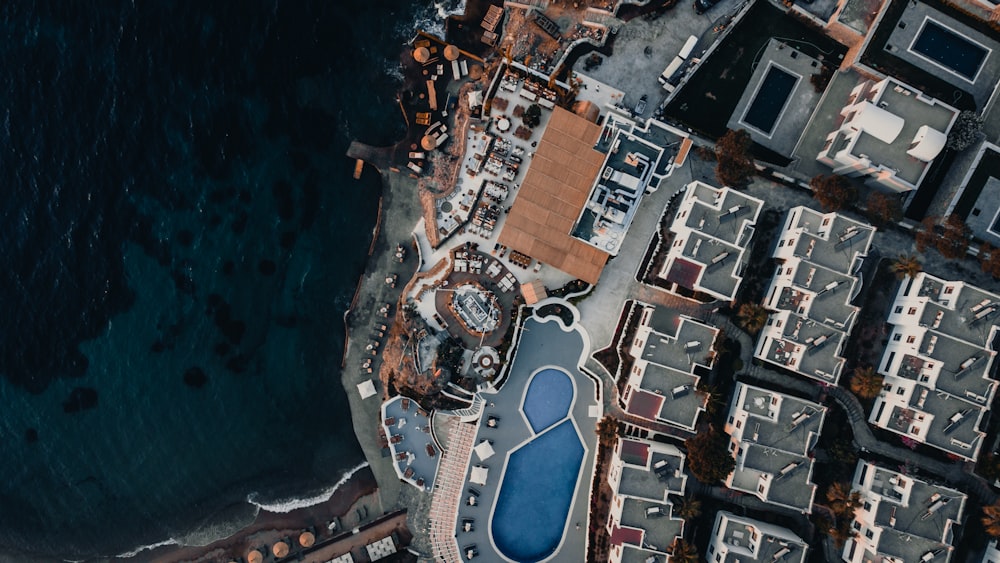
[[176, 210]]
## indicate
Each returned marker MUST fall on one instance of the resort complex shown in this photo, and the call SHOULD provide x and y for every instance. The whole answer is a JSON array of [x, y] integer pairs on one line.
[[772, 436], [712, 230], [938, 364], [741, 309], [818, 258]]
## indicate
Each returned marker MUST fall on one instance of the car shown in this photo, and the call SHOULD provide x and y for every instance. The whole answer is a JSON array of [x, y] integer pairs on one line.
[[641, 105], [702, 6]]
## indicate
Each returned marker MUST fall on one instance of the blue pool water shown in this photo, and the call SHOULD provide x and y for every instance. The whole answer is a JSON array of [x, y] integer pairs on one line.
[[950, 50], [763, 112], [548, 399], [536, 493]]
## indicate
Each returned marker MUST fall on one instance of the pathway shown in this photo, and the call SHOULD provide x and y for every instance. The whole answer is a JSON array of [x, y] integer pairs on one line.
[[448, 490]]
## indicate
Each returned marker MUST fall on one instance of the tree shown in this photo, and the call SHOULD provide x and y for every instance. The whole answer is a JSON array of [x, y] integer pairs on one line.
[[883, 209], [954, 239], [735, 165], [752, 317], [708, 456], [843, 501], [989, 467], [532, 116], [906, 266], [607, 430], [866, 383], [926, 235], [683, 552], [965, 131], [833, 192], [689, 509], [713, 398], [989, 259], [991, 520]]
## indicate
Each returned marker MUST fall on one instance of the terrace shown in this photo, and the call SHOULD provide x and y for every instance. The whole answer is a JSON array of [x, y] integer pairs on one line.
[[744, 539], [948, 50], [614, 198], [656, 521], [891, 133], [804, 346], [665, 394], [692, 343], [413, 450], [903, 517], [775, 476], [772, 435], [828, 240]]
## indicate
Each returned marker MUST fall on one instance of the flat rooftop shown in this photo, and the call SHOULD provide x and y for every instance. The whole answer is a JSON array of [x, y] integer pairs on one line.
[[796, 108], [909, 25], [552, 195], [915, 113], [830, 240], [671, 396], [625, 173]]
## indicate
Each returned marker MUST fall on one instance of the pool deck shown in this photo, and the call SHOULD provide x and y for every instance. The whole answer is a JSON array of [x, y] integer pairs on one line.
[[544, 343], [799, 106], [913, 19]]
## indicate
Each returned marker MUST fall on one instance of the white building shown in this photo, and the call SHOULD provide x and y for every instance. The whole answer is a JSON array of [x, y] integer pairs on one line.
[[771, 437], [641, 523], [890, 134], [663, 383], [712, 229], [902, 519], [937, 364], [735, 538], [820, 255]]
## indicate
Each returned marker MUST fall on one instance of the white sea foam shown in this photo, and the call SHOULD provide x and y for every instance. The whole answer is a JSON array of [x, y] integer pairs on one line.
[[430, 18], [150, 547], [289, 505]]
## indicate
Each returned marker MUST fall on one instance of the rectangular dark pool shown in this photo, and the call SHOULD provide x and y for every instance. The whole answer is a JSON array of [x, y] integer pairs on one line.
[[770, 99], [949, 49]]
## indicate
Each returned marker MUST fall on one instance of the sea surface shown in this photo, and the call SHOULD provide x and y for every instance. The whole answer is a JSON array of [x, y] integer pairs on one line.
[[180, 237]]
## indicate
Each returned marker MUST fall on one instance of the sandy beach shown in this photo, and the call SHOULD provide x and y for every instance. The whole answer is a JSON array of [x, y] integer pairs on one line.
[[355, 498]]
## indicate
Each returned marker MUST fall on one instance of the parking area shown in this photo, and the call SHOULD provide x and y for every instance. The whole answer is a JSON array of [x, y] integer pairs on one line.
[[643, 48]]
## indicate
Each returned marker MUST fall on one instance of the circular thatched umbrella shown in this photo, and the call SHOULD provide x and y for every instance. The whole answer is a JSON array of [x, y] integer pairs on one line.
[[307, 539], [451, 52], [421, 55], [475, 72], [280, 549], [255, 557], [428, 143]]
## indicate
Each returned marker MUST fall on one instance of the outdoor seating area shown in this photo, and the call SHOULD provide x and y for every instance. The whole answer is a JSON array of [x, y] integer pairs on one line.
[[410, 441]]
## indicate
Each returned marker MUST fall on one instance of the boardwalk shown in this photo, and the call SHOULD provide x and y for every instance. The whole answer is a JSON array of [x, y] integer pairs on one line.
[[448, 490]]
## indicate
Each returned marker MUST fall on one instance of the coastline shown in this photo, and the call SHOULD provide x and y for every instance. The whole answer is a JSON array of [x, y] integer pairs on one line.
[[269, 527]]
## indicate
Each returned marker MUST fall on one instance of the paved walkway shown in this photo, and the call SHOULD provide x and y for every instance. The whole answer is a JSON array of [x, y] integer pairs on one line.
[[448, 490]]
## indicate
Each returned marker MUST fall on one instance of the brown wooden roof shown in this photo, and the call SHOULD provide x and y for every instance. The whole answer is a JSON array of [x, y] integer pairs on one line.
[[552, 195]]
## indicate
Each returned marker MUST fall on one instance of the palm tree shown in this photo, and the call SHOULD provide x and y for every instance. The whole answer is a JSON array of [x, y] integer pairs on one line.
[[683, 552], [689, 509], [866, 383], [906, 266], [991, 520], [752, 317]]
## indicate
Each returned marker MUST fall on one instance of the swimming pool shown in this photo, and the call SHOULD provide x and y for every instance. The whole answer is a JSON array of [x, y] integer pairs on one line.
[[769, 101], [547, 399], [536, 494], [950, 49]]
